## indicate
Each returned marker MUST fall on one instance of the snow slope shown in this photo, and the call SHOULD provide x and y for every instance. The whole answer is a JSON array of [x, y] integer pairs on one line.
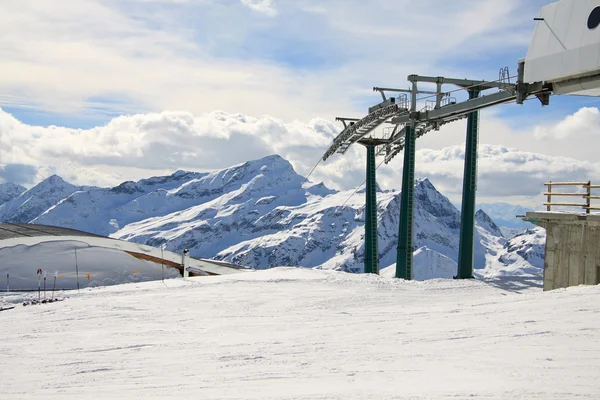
[[429, 264], [9, 191], [306, 334], [523, 254], [33, 202]]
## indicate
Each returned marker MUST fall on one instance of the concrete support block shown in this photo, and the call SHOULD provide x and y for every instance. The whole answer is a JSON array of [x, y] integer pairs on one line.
[[572, 255]]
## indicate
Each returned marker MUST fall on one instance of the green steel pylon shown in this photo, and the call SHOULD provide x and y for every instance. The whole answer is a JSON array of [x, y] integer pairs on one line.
[[404, 259], [371, 242], [467, 223]]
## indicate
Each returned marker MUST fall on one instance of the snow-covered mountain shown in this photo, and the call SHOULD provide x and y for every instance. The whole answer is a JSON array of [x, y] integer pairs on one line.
[[39, 199], [524, 252], [9, 191], [505, 215], [259, 214]]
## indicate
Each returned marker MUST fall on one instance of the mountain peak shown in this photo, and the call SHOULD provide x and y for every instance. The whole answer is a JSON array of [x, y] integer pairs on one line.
[[272, 161], [435, 203], [484, 220], [128, 187], [425, 183], [9, 191], [53, 180]]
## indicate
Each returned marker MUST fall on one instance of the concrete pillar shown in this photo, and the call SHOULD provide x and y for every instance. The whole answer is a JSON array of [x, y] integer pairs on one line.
[[572, 255]]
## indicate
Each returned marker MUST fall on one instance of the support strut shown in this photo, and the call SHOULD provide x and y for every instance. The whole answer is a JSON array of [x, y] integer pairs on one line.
[[371, 236], [404, 259], [467, 223]]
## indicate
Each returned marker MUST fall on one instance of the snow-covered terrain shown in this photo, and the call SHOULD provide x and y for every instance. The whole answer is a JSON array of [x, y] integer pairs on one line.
[[259, 214], [9, 191], [524, 252], [306, 334]]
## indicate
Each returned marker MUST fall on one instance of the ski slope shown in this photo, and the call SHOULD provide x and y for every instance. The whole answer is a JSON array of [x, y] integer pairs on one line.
[[292, 333]]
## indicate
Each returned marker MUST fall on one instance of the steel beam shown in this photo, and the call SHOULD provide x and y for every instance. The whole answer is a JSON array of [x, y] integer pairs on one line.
[[404, 258], [467, 218], [458, 109], [371, 258], [463, 83], [382, 90], [353, 133]]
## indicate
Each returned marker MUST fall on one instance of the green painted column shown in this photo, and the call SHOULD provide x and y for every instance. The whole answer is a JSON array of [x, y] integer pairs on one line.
[[467, 223], [404, 259], [371, 247]]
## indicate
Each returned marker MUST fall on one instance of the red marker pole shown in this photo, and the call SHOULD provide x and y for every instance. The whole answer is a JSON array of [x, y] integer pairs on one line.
[[76, 270], [39, 274], [54, 286]]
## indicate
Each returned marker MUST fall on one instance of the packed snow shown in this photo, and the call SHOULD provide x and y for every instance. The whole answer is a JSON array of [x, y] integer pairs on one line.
[[305, 334]]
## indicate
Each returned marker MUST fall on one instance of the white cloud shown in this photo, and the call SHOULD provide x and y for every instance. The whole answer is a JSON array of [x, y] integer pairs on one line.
[[131, 147], [502, 171], [141, 57], [106, 57], [583, 121], [138, 146], [262, 6]]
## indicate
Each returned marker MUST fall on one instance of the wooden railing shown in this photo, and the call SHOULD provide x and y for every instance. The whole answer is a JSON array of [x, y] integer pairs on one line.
[[586, 195]]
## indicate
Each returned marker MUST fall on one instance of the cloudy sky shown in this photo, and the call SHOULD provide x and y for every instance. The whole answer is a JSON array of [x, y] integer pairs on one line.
[[101, 91]]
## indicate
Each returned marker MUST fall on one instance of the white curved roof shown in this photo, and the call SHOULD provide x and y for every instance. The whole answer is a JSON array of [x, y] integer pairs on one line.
[[566, 46]]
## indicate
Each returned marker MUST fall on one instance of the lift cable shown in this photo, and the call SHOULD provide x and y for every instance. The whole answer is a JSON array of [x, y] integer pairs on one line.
[[342, 206], [281, 210], [355, 191]]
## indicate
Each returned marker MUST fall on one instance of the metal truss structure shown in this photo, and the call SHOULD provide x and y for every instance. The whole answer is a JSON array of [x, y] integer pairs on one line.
[[435, 114], [406, 124]]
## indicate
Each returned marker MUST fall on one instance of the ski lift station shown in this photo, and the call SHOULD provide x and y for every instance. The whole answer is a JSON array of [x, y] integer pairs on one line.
[[563, 59]]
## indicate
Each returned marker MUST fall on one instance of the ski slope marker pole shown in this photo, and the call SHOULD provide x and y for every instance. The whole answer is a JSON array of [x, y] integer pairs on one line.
[[7, 282], [162, 261], [54, 286], [39, 274], [76, 270]]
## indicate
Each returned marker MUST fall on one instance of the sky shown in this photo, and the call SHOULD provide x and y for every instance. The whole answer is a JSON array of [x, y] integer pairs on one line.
[[102, 91]]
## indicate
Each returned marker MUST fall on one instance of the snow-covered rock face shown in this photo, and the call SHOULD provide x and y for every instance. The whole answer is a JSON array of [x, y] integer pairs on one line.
[[258, 214], [37, 200], [524, 254], [9, 191], [484, 221]]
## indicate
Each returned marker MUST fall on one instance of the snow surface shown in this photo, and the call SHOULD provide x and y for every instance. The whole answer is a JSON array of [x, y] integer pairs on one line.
[[430, 265], [524, 252], [306, 334]]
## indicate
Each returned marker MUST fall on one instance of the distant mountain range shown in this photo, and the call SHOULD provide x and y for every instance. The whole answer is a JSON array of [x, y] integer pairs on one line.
[[261, 214], [505, 215]]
